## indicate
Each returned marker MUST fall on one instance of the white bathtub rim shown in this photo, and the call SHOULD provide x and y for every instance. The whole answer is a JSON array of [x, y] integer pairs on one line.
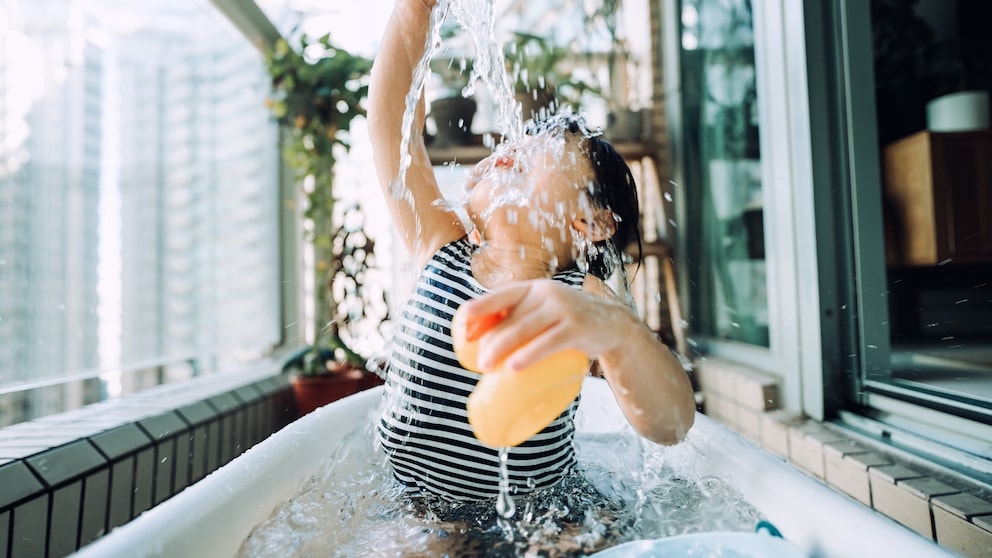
[[183, 525]]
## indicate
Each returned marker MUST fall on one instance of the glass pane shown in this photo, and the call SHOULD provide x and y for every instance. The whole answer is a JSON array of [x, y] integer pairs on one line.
[[931, 65], [723, 188], [138, 199]]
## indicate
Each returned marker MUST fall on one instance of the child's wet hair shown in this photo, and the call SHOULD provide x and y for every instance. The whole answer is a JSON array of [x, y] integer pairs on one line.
[[614, 189]]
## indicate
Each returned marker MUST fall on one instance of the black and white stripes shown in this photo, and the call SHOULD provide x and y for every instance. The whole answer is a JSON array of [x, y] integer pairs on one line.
[[424, 425]]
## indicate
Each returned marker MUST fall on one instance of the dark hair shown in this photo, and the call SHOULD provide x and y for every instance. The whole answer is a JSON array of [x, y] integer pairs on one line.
[[614, 190]]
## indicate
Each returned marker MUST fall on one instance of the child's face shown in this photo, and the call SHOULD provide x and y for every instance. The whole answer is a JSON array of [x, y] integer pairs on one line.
[[538, 185]]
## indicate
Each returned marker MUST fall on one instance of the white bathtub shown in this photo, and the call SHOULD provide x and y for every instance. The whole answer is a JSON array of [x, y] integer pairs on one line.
[[213, 517]]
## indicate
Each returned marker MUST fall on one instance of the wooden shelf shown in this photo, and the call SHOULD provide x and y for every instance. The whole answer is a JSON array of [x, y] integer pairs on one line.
[[471, 154]]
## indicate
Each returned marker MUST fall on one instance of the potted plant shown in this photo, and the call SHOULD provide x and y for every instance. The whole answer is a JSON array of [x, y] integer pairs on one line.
[[317, 92], [541, 77], [325, 372], [624, 122], [330, 369], [453, 111]]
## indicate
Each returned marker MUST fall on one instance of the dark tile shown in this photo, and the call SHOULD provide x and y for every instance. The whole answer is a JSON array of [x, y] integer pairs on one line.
[[197, 413], [17, 482], [65, 463], [256, 422], [165, 465], [227, 437], [184, 446], [121, 492], [67, 502], [124, 440], [242, 438], [199, 453], [96, 493], [162, 426], [247, 394], [4, 533], [29, 531], [224, 403], [213, 443], [144, 481]]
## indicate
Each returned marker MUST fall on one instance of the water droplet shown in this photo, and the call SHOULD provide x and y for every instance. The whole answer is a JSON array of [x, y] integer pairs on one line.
[[668, 197], [962, 301]]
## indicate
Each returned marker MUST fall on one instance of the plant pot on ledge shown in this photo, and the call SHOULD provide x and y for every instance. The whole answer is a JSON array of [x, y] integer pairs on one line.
[[319, 376], [312, 392], [453, 117]]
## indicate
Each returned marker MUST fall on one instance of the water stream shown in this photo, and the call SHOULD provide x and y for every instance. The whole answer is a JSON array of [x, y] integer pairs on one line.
[[624, 487]]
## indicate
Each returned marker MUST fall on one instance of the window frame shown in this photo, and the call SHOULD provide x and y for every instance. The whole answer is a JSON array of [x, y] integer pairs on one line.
[[790, 231], [857, 356]]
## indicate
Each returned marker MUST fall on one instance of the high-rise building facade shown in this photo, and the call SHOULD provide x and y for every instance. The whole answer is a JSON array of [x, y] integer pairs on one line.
[[138, 197]]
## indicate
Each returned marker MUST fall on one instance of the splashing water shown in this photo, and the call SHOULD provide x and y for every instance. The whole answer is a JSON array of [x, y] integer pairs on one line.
[[624, 489], [478, 19]]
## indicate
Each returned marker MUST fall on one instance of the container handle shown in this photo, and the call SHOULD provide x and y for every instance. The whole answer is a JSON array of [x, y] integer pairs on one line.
[[767, 526]]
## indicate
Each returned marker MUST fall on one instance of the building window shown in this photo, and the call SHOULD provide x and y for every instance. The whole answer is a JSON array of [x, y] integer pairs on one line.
[[722, 173], [138, 200], [915, 359]]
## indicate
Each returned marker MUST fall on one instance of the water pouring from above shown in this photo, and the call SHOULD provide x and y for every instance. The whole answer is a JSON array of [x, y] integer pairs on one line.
[[550, 214]]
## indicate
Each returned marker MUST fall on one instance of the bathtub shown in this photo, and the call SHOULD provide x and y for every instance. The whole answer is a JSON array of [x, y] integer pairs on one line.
[[214, 516]]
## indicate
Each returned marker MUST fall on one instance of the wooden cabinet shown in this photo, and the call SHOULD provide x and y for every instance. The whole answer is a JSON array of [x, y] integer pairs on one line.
[[938, 198]]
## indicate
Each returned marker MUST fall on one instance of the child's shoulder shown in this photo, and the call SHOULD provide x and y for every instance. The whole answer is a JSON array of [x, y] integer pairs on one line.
[[457, 252]]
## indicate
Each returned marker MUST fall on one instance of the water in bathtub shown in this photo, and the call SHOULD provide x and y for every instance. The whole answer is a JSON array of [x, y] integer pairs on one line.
[[624, 489]]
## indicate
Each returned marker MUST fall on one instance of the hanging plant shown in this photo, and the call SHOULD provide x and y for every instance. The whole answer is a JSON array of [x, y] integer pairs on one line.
[[318, 90]]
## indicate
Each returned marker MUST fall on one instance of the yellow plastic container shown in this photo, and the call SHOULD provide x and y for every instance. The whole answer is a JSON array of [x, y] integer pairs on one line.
[[509, 407]]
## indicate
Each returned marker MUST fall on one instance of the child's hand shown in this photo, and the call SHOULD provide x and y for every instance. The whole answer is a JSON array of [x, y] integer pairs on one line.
[[544, 317]]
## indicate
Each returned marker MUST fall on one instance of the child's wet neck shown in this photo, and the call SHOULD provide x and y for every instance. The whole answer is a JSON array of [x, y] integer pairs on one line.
[[494, 264]]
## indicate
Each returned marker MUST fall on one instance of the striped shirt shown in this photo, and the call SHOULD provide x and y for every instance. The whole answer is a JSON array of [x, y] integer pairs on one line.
[[424, 425]]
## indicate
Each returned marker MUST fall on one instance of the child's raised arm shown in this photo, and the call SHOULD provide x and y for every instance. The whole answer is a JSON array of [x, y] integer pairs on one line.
[[424, 225]]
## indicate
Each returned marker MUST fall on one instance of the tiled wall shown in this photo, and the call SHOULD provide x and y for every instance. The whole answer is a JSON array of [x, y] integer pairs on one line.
[[67, 479], [953, 512]]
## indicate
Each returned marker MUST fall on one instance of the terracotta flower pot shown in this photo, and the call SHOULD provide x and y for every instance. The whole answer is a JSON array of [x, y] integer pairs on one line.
[[453, 117], [312, 392]]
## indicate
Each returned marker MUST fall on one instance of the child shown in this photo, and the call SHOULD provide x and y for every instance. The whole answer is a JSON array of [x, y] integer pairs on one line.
[[548, 211]]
